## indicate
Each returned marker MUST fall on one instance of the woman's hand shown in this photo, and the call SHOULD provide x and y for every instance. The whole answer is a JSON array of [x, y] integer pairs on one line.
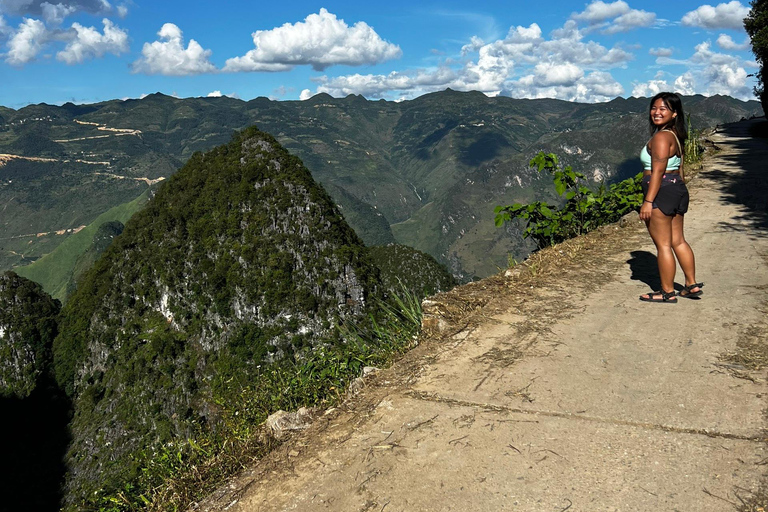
[[646, 210]]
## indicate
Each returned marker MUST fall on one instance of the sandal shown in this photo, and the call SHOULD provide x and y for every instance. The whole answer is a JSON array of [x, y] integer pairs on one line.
[[668, 297], [687, 292]]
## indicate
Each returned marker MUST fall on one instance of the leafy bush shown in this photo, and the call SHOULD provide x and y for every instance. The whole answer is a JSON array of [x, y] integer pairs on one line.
[[584, 209]]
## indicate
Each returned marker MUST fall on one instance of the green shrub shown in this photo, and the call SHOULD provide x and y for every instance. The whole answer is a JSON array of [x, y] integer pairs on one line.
[[584, 209]]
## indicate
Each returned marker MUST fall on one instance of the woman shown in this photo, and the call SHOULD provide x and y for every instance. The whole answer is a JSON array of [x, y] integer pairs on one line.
[[666, 198]]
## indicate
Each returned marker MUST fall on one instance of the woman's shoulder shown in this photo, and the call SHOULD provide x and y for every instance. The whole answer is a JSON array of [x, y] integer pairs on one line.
[[663, 141], [663, 136]]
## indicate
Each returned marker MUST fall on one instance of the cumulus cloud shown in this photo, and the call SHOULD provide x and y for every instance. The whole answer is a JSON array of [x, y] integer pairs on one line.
[[320, 41], [727, 43], [631, 20], [475, 43], [600, 11], [661, 52], [723, 16], [557, 74], [595, 87], [651, 87], [614, 17], [88, 43], [26, 42], [39, 8], [710, 73], [4, 28], [523, 64], [168, 56], [55, 14], [721, 73]]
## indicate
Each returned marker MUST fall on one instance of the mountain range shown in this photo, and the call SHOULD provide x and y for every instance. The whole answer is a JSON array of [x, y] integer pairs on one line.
[[425, 173]]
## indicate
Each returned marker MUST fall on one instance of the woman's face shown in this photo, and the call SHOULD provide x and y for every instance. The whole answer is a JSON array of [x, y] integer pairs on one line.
[[661, 115]]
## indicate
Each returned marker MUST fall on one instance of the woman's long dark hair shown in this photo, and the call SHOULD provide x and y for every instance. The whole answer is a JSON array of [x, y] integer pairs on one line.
[[677, 125]]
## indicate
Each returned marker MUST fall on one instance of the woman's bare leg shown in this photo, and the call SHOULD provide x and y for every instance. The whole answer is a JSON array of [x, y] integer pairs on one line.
[[660, 229], [683, 251]]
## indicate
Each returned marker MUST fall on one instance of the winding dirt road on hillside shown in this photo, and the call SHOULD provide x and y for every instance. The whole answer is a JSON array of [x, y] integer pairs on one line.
[[553, 388]]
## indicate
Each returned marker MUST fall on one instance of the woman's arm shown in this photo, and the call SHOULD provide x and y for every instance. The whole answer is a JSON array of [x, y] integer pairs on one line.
[[661, 144]]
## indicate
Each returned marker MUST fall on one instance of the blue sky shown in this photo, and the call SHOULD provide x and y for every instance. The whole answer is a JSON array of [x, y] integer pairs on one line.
[[86, 51]]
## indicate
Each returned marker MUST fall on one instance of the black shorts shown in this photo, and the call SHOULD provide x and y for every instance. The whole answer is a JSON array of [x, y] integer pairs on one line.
[[672, 198]]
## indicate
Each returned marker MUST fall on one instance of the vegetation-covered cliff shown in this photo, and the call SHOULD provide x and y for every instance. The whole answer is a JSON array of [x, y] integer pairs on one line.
[[240, 260], [27, 329]]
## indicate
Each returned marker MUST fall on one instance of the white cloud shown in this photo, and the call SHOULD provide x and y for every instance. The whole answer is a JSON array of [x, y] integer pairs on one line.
[[38, 7], [321, 40], [614, 17], [661, 52], [709, 73], [305, 94], [4, 28], [721, 73], [475, 43], [122, 10], [685, 84], [595, 87], [557, 74], [631, 20], [169, 57], [600, 11], [55, 14], [214, 94], [523, 64], [730, 15], [651, 87], [26, 42], [88, 43], [727, 43]]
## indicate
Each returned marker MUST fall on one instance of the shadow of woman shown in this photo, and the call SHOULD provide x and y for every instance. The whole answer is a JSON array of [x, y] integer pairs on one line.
[[644, 268]]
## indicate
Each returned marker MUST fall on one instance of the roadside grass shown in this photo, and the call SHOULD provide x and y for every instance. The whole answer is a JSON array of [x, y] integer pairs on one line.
[[174, 476]]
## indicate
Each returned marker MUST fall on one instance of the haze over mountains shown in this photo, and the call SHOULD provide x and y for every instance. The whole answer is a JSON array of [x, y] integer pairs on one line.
[[426, 173]]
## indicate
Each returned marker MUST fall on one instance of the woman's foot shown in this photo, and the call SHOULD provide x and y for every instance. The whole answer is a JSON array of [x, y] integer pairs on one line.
[[660, 296], [690, 291]]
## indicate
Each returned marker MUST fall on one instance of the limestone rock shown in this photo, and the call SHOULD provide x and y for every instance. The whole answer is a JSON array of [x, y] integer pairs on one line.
[[282, 422]]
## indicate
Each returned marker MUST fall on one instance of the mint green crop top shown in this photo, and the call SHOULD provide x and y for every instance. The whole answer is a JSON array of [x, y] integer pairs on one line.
[[673, 163]]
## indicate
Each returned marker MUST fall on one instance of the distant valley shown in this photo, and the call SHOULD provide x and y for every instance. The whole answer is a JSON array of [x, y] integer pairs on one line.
[[425, 173]]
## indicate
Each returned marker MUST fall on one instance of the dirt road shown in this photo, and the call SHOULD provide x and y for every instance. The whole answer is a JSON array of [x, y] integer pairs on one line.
[[563, 391]]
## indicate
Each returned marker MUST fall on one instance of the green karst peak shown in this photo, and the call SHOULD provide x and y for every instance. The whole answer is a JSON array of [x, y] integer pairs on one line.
[[240, 260]]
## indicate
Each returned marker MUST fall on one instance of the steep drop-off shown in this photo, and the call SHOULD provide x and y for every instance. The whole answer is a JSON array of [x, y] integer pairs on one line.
[[241, 259]]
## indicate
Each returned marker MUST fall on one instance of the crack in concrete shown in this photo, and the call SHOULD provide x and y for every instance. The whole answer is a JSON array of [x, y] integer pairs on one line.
[[761, 438]]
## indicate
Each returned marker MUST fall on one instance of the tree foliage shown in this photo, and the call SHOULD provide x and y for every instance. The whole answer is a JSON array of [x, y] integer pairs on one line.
[[756, 25], [584, 209]]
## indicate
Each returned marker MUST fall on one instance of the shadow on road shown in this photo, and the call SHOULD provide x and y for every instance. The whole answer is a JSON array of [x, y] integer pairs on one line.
[[748, 189], [644, 268]]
